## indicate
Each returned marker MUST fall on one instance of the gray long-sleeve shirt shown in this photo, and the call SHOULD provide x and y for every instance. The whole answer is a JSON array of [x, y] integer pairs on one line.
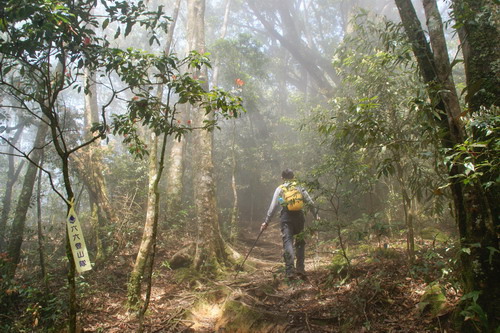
[[275, 204]]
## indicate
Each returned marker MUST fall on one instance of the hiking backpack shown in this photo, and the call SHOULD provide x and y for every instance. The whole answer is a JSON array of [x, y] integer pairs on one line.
[[291, 198]]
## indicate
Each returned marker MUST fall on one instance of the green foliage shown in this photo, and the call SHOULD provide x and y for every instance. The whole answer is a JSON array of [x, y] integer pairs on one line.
[[474, 313], [187, 275], [147, 109], [129, 14], [433, 300], [478, 155], [385, 253], [242, 58], [339, 270], [25, 306]]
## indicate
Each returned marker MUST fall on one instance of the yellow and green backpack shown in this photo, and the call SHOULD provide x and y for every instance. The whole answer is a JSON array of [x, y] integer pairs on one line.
[[292, 198]]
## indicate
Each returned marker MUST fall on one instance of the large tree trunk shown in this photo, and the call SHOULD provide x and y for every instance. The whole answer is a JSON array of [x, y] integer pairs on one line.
[[233, 223], [210, 248], [477, 225], [480, 37], [23, 203]]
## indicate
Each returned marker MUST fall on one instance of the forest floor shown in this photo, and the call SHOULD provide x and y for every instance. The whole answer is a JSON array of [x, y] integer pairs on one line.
[[378, 295]]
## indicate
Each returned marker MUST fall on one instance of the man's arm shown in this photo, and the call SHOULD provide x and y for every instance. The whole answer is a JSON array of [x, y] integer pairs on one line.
[[273, 207]]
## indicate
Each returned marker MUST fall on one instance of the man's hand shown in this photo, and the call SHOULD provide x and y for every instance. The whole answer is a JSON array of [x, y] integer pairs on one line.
[[263, 226]]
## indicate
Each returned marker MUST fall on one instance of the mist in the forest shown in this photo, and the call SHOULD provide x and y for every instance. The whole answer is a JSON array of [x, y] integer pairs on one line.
[[135, 131], [278, 56]]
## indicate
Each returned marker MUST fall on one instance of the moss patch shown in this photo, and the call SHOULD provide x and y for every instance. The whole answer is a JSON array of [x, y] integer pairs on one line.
[[433, 300], [239, 317]]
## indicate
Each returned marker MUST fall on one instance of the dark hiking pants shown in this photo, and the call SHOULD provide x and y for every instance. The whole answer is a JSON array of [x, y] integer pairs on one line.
[[292, 225]]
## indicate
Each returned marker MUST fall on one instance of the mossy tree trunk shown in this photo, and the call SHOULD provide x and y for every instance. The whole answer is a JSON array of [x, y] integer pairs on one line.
[[149, 232]]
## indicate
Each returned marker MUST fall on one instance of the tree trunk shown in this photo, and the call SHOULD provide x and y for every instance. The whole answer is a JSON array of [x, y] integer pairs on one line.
[[41, 245], [18, 224], [89, 165], [481, 37], [233, 232], [233, 223], [150, 226], [443, 74], [478, 226], [174, 177], [176, 168], [481, 224], [408, 212], [12, 175], [210, 248]]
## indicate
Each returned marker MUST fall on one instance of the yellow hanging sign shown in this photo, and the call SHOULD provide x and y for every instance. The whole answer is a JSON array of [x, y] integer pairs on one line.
[[80, 254]]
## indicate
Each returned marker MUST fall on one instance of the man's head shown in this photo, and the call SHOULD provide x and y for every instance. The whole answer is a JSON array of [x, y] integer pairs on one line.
[[287, 174]]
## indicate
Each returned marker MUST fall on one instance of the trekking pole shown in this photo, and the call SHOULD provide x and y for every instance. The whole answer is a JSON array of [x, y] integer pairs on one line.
[[240, 266]]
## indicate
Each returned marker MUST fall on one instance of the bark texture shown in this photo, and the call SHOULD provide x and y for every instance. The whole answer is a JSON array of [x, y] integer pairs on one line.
[[210, 249], [150, 227]]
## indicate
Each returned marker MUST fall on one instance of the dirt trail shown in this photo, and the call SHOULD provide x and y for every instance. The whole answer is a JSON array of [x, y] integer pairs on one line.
[[378, 296]]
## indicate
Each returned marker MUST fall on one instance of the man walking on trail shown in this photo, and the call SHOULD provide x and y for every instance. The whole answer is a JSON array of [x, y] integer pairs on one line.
[[290, 198]]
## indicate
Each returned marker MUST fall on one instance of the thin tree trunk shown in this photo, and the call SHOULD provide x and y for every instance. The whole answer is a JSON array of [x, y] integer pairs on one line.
[[19, 221], [149, 233], [410, 233], [41, 238], [12, 175], [233, 233], [176, 168], [146, 255]]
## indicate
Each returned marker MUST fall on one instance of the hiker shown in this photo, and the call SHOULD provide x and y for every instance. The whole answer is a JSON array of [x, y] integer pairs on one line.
[[290, 198]]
